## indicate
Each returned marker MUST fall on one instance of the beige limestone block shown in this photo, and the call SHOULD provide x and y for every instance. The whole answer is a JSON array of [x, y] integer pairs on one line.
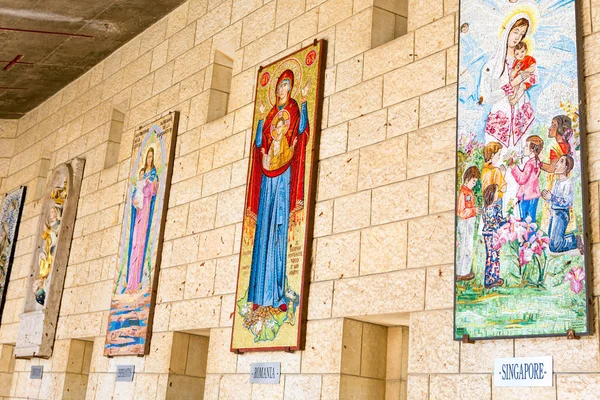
[[430, 240], [389, 56], [226, 272], [146, 386], [460, 387], [220, 359], [323, 346], [432, 349], [185, 250], [234, 387], [177, 19], [578, 387], [451, 65], [195, 314], [330, 387], [434, 37], [290, 362], [229, 150], [142, 90], [353, 35], [567, 355], [320, 298], [591, 54], [159, 357], [592, 91], [399, 201], [519, 393], [268, 391], [359, 388], [351, 347], [337, 256], [439, 140], [438, 106], [479, 357], [441, 191], [191, 86], [202, 215], [403, 117], [159, 55], [185, 167], [374, 351], [423, 12], [179, 353], [258, 24], [213, 21], [171, 284], [227, 305], [323, 218], [216, 131], [242, 8], [191, 61], [349, 73], [199, 280], [217, 180], [397, 353], [230, 206], [181, 42], [242, 89], [338, 176], [355, 101], [414, 79], [594, 205], [593, 159], [333, 141], [152, 37], [303, 27], [383, 248], [352, 212], [383, 163], [332, 12], [393, 292], [288, 10], [216, 243], [197, 356], [367, 129], [440, 287], [302, 387], [259, 51]]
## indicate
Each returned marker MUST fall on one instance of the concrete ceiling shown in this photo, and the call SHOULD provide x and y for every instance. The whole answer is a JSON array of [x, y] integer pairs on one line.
[[60, 40]]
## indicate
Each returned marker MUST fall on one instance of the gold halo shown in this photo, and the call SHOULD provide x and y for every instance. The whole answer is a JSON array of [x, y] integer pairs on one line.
[[527, 10], [291, 64]]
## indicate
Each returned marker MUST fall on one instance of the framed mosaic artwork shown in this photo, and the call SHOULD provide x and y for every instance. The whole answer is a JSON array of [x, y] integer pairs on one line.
[[136, 278], [521, 194], [275, 239]]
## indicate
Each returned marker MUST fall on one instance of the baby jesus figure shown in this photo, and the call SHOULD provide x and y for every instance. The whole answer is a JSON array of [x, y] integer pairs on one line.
[[138, 193], [522, 72], [280, 151]]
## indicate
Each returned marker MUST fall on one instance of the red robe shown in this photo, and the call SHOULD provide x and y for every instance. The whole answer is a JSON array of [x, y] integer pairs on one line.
[[297, 162]]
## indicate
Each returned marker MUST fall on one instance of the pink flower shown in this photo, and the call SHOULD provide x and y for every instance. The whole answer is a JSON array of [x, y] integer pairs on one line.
[[525, 255], [539, 242], [498, 239], [528, 225], [576, 276]]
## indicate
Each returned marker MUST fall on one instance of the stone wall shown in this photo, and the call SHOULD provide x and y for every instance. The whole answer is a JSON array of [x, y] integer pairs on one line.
[[383, 244]]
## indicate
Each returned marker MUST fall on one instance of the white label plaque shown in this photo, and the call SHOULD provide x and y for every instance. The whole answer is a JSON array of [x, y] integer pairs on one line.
[[125, 373], [36, 372], [523, 371], [265, 372]]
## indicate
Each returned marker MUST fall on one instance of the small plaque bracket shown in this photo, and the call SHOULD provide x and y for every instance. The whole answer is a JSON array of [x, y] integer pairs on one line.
[[571, 335], [467, 340]]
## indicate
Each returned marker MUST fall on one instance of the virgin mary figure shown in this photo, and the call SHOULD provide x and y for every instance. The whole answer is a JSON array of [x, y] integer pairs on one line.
[[509, 117], [276, 191], [141, 222]]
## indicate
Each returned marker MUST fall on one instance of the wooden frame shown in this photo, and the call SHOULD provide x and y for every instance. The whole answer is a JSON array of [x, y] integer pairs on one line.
[[280, 314]]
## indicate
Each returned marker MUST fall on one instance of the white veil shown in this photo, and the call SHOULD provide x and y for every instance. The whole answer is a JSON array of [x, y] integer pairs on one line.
[[496, 62]]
